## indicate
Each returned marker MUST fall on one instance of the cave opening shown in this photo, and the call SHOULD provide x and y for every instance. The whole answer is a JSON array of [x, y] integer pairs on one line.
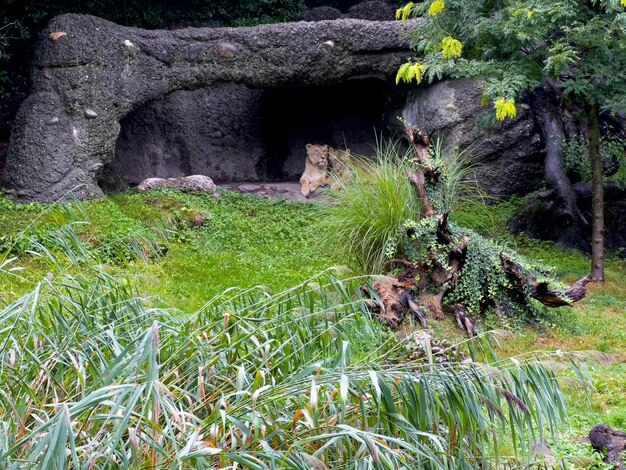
[[233, 133], [353, 114]]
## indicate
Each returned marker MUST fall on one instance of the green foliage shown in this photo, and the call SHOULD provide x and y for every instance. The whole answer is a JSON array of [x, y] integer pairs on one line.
[[612, 150], [198, 246], [514, 46], [297, 380], [482, 283], [374, 202], [29, 17], [95, 313], [377, 200], [66, 230], [456, 184]]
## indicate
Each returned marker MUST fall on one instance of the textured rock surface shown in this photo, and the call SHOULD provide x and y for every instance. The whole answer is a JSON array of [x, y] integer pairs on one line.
[[111, 70], [192, 183], [289, 191], [533, 216], [509, 155], [211, 131]]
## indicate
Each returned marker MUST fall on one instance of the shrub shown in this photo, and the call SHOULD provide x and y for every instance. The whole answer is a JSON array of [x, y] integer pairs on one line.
[[377, 199], [379, 219]]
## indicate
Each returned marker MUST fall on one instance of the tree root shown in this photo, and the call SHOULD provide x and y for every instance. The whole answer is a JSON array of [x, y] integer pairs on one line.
[[603, 438], [541, 291]]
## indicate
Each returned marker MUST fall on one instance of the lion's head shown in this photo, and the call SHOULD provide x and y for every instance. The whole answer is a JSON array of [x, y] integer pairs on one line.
[[317, 155]]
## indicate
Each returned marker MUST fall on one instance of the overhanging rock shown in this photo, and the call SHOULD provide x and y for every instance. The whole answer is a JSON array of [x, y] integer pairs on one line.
[[89, 78]]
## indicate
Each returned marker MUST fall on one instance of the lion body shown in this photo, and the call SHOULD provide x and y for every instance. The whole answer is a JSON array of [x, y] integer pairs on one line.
[[339, 163], [321, 158], [315, 169]]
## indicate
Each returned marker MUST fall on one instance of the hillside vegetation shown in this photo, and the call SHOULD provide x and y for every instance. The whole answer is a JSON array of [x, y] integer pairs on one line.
[[122, 300]]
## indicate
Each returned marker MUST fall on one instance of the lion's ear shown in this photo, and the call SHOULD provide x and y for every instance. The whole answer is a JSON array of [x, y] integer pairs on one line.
[[308, 146]]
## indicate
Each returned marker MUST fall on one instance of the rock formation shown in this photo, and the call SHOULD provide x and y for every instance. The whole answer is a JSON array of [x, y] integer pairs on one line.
[[509, 155], [90, 78]]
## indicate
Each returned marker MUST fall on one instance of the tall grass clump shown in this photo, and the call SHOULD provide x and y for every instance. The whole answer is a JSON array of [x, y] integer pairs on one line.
[[458, 184], [93, 378], [376, 200], [373, 203], [303, 379]]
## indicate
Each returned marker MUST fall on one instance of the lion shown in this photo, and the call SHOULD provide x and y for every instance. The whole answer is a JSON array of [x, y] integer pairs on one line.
[[315, 170], [339, 163]]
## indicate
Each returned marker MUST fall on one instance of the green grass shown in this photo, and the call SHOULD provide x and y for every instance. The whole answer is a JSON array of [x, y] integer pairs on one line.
[[375, 200], [265, 378], [242, 242]]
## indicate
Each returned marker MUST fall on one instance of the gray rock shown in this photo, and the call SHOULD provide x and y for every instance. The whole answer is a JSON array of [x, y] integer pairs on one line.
[[193, 183], [193, 132], [248, 188], [228, 51], [321, 14], [130, 47], [373, 10], [509, 155], [90, 113], [194, 51], [53, 120], [89, 69]]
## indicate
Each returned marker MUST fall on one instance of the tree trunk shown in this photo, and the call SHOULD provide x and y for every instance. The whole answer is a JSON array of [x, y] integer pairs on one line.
[[566, 212], [597, 187]]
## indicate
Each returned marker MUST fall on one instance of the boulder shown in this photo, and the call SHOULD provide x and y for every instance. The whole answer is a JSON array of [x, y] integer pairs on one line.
[[322, 13], [373, 10], [605, 439], [95, 75], [509, 155], [531, 220], [193, 183]]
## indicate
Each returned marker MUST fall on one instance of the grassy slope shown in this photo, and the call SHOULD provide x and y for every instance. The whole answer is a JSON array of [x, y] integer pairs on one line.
[[243, 242], [246, 242], [597, 323]]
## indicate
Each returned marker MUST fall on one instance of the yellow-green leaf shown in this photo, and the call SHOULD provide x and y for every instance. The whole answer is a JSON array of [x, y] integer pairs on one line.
[[505, 108], [406, 11], [418, 70], [436, 7], [402, 72], [451, 48]]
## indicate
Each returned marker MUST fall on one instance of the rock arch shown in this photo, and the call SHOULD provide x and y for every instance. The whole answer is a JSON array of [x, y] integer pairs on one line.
[[91, 77]]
